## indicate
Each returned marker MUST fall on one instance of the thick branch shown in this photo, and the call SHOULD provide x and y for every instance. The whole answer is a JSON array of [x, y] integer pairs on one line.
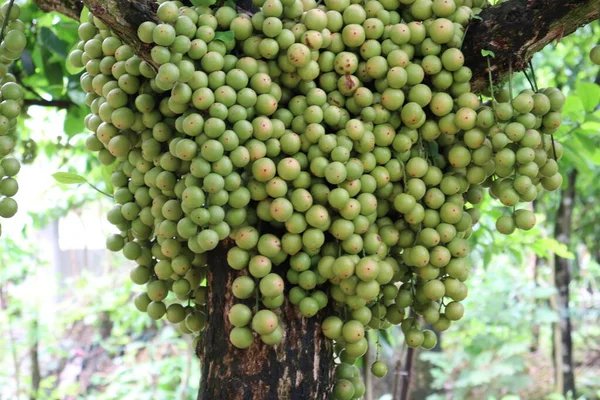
[[70, 8], [517, 29], [123, 17], [514, 30]]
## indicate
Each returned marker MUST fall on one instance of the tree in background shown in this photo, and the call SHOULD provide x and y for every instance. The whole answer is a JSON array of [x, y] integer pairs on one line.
[[172, 91]]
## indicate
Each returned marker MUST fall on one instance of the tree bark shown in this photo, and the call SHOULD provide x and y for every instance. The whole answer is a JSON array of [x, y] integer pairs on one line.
[[408, 373], [514, 30], [563, 344], [70, 8], [518, 29], [299, 368], [36, 376]]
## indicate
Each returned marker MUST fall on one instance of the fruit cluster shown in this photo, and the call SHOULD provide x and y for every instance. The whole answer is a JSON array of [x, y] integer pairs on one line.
[[337, 145], [13, 43]]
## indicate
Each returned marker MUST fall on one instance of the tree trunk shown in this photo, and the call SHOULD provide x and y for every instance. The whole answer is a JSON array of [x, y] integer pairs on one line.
[[408, 373], [36, 376], [299, 368], [422, 378], [563, 348]]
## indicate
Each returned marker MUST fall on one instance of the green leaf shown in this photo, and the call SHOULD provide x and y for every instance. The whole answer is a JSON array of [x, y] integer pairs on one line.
[[75, 94], [68, 178], [226, 36], [573, 109], [589, 93], [230, 3], [74, 121], [50, 41], [585, 137], [83, 17], [477, 18], [70, 68], [488, 53], [572, 156], [106, 171], [27, 62]]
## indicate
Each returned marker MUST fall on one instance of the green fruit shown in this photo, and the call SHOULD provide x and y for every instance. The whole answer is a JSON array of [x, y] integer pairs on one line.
[[8, 207], [156, 310], [264, 322], [379, 369], [241, 338]]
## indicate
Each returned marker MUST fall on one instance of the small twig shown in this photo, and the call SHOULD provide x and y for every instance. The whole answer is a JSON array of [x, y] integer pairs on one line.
[[100, 191], [61, 104]]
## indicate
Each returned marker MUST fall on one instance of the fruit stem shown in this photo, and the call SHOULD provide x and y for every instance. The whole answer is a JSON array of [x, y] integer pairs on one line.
[[491, 84], [378, 337], [553, 146], [510, 77], [533, 75], [528, 79], [100, 191], [256, 304], [5, 22]]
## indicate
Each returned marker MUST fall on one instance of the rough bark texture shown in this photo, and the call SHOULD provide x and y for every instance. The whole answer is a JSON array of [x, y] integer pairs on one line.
[[124, 17], [517, 29], [407, 374], [299, 368], [514, 30], [562, 278], [70, 8]]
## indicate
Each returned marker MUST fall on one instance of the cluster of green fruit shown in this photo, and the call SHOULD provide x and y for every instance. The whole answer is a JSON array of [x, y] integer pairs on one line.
[[337, 145], [13, 43]]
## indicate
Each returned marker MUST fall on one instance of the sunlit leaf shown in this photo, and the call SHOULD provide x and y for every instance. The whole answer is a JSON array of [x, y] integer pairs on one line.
[[574, 109], [68, 178], [589, 93], [48, 39], [227, 36]]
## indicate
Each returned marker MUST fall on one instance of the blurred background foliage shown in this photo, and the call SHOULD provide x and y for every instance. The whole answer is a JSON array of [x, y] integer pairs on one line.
[[68, 329]]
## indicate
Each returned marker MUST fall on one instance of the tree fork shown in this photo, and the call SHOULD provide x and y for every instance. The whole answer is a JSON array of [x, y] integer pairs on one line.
[[299, 368]]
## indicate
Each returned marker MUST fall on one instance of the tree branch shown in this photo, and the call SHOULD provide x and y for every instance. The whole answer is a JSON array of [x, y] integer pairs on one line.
[[48, 103], [514, 30], [517, 29], [123, 17], [70, 8]]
